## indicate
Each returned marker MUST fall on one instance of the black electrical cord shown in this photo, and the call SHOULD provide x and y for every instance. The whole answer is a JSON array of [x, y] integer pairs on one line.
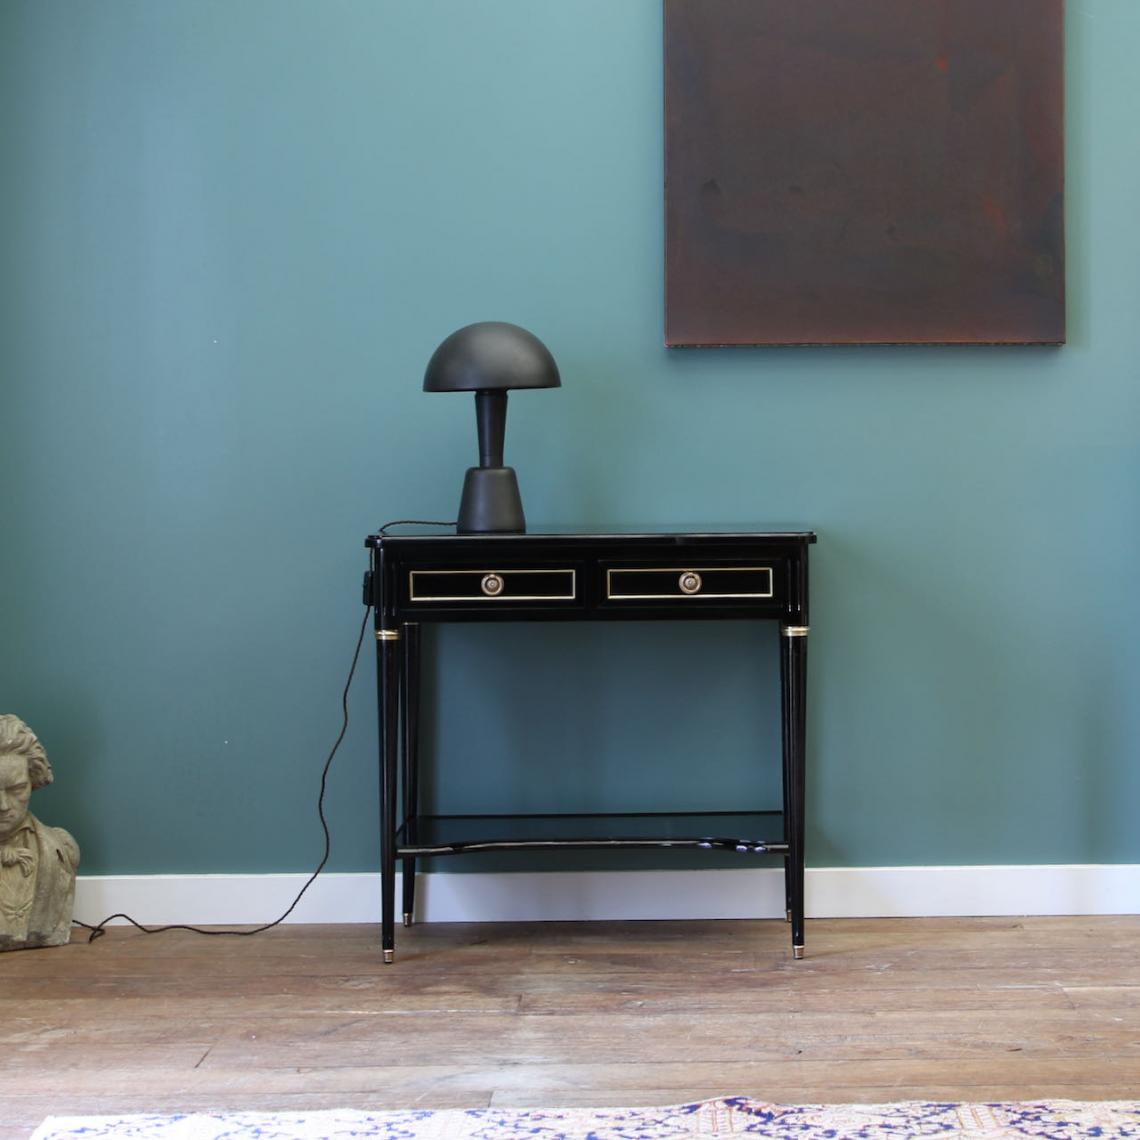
[[414, 522], [99, 930]]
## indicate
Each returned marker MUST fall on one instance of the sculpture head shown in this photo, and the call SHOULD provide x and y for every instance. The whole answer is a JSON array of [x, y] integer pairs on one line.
[[23, 768]]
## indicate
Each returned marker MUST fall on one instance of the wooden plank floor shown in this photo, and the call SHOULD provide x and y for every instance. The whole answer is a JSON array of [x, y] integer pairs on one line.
[[572, 1013]]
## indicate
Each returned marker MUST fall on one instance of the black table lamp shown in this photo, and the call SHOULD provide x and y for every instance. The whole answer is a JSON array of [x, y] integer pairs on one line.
[[490, 358]]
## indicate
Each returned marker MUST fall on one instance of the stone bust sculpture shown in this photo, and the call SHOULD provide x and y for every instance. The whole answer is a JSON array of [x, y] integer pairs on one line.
[[37, 863]]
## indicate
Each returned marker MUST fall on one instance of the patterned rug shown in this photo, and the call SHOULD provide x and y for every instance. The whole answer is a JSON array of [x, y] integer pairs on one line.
[[1045, 1120]]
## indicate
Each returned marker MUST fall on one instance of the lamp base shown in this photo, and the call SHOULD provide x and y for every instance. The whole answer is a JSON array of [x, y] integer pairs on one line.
[[491, 503]]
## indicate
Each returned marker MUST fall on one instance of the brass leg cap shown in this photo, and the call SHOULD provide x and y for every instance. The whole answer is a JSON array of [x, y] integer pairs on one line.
[[787, 916], [797, 951], [389, 957], [407, 920]]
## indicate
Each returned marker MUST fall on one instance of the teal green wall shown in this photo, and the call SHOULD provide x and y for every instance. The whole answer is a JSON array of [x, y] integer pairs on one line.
[[232, 234]]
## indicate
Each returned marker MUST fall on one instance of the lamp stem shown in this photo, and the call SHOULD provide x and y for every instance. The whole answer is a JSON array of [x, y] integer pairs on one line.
[[491, 416]]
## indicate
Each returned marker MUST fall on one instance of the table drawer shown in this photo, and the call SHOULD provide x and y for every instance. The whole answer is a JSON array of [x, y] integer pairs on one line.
[[688, 582], [490, 585]]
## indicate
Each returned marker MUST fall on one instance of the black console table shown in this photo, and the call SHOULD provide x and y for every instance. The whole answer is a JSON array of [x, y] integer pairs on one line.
[[705, 575]]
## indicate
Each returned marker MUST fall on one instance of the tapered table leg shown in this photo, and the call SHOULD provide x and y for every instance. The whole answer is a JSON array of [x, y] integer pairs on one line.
[[793, 688], [387, 680], [410, 759], [785, 784]]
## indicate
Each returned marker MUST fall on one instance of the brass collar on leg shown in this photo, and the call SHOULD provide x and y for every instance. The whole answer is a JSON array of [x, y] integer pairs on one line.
[[796, 630], [387, 635]]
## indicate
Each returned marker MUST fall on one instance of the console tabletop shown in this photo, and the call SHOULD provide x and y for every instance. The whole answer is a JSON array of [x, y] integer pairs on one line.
[[567, 575]]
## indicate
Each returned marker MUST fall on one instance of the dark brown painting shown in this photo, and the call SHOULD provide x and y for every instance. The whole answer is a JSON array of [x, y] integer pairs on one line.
[[864, 172]]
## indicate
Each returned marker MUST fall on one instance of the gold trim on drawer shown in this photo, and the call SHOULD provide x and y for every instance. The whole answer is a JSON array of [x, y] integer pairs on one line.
[[481, 576], [678, 573]]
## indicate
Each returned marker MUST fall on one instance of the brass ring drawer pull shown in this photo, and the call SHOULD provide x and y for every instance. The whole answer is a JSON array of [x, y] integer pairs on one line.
[[690, 582], [492, 585]]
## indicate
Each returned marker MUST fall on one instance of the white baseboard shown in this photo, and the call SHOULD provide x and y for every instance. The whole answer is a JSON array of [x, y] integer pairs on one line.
[[832, 892]]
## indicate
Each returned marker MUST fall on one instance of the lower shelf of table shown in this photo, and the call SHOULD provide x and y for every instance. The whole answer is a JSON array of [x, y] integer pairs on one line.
[[759, 832]]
